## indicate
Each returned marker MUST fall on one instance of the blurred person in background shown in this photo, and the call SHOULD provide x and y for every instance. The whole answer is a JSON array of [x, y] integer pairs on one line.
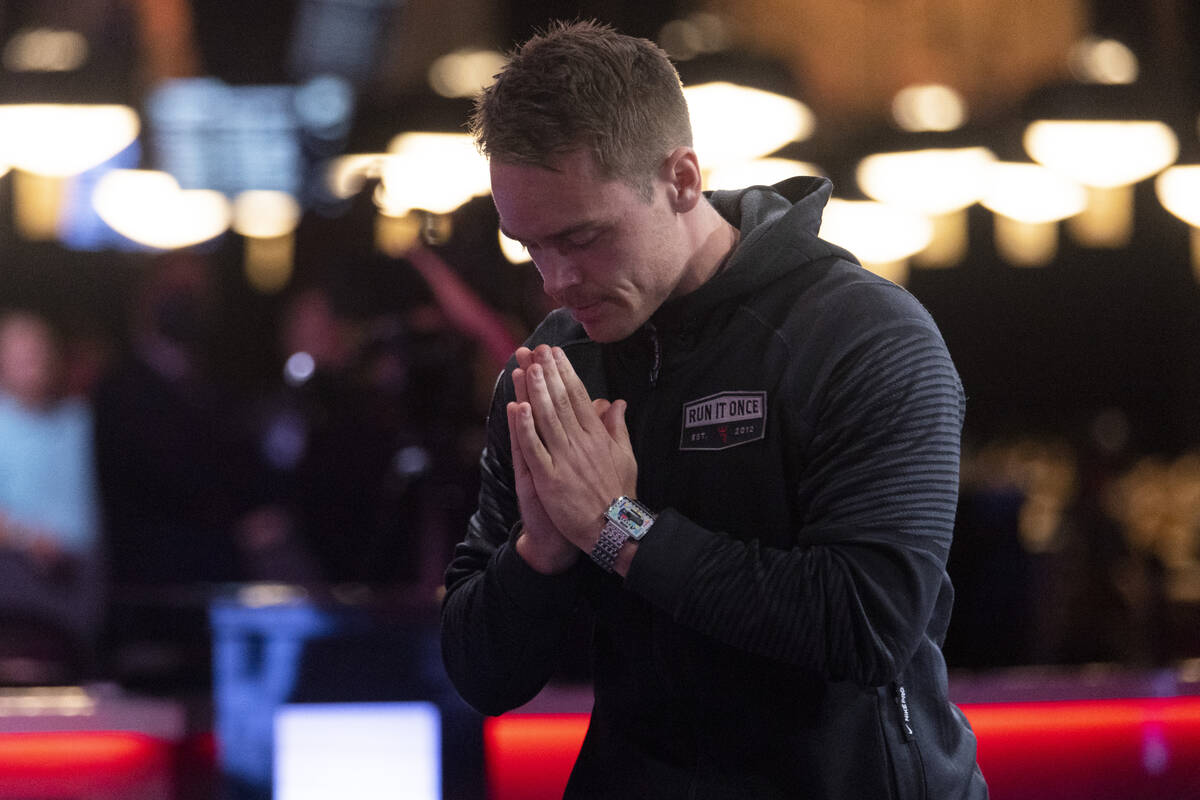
[[51, 576], [328, 448], [185, 506]]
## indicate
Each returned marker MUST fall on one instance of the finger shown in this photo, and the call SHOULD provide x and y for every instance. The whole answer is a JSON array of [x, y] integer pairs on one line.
[[614, 422], [520, 385], [524, 357], [560, 395], [520, 468], [522, 478], [530, 457], [600, 405], [546, 411], [581, 401]]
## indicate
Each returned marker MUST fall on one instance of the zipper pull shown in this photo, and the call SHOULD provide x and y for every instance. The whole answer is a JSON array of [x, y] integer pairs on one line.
[[905, 718], [656, 346]]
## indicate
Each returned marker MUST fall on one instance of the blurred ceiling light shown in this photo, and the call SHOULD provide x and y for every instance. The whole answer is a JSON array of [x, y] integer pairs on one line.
[[938, 183], [149, 208], [697, 34], [882, 236], [434, 172], [929, 107], [63, 140], [732, 123], [1105, 61], [464, 72], [267, 219], [1178, 189], [759, 172], [265, 214], [1028, 200], [346, 175], [1107, 157], [512, 250], [45, 50]]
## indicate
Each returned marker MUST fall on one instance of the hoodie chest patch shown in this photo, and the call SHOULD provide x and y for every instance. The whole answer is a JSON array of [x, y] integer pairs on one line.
[[723, 420]]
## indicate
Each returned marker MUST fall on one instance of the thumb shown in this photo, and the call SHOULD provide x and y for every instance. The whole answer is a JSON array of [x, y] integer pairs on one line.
[[614, 422]]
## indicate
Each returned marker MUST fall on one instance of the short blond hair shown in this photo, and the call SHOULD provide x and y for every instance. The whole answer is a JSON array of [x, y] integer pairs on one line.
[[583, 85]]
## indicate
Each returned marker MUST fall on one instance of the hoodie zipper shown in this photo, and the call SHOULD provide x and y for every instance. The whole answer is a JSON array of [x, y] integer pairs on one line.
[[905, 718], [656, 353], [900, 695]]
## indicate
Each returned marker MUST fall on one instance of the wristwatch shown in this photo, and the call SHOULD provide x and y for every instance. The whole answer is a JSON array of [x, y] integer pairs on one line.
[[625, 519]]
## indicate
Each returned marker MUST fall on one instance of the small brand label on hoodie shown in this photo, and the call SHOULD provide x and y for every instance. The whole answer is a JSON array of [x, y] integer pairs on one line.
[[724, 420]]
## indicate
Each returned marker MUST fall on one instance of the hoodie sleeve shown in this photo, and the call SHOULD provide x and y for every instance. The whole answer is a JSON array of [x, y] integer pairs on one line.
[[876, 500], [503, 623]]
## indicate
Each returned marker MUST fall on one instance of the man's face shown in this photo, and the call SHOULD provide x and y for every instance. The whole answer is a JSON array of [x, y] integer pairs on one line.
[[28, 361], [605, 252]]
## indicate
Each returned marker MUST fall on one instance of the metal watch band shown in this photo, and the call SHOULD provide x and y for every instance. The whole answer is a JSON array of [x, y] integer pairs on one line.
[[608, 545], [625, 519]]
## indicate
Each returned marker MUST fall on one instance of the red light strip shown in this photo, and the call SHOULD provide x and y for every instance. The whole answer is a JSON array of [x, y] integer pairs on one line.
[[1098, 749]]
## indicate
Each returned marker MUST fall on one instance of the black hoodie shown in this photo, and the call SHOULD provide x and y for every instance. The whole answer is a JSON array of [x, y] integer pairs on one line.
[[796, 423]]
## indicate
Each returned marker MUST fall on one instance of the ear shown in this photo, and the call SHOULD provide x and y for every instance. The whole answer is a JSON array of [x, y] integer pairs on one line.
[[681, 170]]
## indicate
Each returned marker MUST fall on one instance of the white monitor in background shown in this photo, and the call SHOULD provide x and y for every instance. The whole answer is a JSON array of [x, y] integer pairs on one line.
[[359, 750]]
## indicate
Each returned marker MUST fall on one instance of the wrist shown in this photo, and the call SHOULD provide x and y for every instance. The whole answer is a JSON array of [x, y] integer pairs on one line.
[[625, 522], [548, 560]]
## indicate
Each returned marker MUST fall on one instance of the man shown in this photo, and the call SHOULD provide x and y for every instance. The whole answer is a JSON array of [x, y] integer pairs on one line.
[[51, 582], [757, 504]]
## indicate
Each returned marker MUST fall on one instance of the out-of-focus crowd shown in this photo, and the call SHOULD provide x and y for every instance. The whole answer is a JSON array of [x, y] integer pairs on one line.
[[137, 482], [1076, 552]]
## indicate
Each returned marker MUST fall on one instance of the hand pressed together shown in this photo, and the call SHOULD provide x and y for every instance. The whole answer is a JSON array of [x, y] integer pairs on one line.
[[571, 457]]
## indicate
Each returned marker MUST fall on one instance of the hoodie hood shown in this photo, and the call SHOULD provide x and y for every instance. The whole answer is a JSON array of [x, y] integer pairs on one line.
[[778, 225]]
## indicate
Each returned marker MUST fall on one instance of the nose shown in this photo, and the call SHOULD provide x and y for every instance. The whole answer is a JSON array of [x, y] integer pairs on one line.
[[558, 271]]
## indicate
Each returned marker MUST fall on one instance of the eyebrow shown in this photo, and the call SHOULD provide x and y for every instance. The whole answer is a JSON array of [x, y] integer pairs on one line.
[[561, 234]]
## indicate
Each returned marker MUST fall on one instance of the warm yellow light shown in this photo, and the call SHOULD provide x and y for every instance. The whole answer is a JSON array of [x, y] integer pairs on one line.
[[435, 172], [45, 50], [149, 207], [882, 236], [1107, 157], [63, 140], [514, 252], [37, 205], [759, 172], [464, 72], [732, 123], [1028, 201], [267, 219], [1105, 61], [698, 33], [1031, 193], [933, 181], [939, 183], [1178, 189], [1102, 153], [346, 175], [929, 107], [396, 235], [265, 214]]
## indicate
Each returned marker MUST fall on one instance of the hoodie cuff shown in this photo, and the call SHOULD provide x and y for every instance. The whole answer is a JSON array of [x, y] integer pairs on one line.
[[532, 593], [667, 558]]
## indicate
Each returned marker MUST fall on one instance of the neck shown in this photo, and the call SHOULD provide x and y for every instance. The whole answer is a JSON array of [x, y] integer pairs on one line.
[[715, 241]]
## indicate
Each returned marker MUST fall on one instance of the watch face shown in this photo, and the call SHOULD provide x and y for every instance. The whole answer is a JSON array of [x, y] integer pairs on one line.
[[630, 516]]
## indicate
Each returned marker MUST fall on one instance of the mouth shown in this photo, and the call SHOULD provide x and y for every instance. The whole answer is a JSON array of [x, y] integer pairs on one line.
[[587, 310]]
